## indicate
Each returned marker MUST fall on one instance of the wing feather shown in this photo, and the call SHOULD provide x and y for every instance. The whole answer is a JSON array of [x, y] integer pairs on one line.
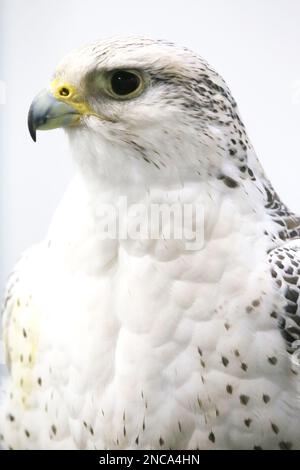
[[285, 270]]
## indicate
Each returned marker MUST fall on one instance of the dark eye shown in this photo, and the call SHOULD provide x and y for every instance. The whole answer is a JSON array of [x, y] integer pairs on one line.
[[124, 83]]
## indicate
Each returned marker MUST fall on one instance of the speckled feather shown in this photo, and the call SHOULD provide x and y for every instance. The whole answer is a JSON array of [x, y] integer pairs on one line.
[[121, 344]]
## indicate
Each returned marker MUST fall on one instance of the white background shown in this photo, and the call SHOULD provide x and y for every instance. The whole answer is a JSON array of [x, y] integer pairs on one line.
[[254, 44]]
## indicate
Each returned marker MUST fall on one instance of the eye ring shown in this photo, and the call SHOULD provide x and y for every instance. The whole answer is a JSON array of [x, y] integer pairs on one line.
[[125, 84]]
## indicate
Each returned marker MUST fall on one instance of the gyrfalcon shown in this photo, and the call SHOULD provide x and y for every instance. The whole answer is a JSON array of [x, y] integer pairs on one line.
[[117, 342]]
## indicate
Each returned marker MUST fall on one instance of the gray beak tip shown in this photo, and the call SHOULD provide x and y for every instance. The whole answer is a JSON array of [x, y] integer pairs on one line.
[[31, 125], [47, 112]]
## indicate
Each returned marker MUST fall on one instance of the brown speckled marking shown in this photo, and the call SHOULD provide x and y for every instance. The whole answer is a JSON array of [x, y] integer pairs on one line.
[[225, 361], [275, 428], [266, 398], [272, 360], [285, 445], [244, 399]]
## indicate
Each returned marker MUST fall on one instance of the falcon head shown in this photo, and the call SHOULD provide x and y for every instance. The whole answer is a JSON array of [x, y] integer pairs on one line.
[[144, 99]]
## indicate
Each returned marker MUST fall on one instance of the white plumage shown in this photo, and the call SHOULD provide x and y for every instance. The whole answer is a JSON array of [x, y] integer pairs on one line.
[[116, 344]]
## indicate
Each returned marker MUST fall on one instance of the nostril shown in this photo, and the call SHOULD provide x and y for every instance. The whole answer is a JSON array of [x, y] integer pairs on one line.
[[64, 91]]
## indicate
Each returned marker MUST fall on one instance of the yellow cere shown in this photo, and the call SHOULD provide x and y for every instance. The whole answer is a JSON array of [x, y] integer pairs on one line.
[[67, 93]]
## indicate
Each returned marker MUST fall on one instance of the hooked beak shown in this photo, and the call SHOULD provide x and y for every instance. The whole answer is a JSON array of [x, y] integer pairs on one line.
[[61, 106], [47, 112]]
